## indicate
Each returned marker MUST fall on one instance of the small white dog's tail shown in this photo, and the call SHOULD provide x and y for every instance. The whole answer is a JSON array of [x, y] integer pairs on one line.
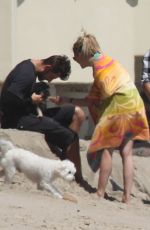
[[5, 146]]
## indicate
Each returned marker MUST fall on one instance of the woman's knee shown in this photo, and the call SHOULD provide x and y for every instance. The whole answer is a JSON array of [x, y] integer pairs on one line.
[[126, 149]]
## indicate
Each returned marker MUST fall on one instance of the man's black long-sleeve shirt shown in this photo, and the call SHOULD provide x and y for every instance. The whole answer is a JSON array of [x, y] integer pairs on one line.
[[15, 98]]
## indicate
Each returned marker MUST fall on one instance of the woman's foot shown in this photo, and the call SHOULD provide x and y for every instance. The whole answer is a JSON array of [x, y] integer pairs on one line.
[[125, 199], [106, 196], [101, 194]]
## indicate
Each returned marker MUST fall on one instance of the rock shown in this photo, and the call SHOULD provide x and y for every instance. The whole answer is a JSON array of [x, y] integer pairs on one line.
[[28, 140]]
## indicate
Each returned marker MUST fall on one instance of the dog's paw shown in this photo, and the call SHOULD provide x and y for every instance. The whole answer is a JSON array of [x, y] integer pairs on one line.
[[58, 195], [70, 197]]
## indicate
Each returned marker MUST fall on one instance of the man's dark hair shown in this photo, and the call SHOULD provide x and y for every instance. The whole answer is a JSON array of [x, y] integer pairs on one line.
[[60, 65]]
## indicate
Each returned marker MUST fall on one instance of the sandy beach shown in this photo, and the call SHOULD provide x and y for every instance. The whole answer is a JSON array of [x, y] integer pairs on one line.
[[25, 207]]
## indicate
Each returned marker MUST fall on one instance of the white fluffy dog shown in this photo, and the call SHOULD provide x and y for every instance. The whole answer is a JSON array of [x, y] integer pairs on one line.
[[41, 170]]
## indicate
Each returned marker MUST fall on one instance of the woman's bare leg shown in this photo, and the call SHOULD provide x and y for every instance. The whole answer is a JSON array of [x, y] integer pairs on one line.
[[127, 160], [105, 171]]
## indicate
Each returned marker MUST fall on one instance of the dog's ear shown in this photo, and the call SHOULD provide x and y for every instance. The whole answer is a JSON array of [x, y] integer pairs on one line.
[[63, 164], [68, 164], [66, 161], [60, 166]]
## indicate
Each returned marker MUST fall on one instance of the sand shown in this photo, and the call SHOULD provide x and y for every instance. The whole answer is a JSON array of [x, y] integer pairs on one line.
[[25, 207]]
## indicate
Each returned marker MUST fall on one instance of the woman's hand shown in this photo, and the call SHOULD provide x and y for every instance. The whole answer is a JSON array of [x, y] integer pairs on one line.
[[56, 100], [93, 100]]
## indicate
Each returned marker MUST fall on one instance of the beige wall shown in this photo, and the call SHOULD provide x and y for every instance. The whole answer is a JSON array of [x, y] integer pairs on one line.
[[5, 37], [39, 28], [142, 27], [47, 27]]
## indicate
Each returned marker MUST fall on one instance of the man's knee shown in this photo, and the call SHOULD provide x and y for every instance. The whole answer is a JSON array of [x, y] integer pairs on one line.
[[79, 114]]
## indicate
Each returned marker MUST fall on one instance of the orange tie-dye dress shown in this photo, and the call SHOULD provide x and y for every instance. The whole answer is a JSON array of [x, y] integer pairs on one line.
[[119, 114]]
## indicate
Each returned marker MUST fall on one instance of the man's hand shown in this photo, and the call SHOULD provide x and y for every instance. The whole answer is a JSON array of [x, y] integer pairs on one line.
[[36, 98]]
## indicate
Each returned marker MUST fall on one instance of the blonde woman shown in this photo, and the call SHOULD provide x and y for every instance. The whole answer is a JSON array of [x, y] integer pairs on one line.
[[117, 110]]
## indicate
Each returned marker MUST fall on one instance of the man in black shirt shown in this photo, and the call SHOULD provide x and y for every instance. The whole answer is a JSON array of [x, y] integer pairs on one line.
[[18, 105]]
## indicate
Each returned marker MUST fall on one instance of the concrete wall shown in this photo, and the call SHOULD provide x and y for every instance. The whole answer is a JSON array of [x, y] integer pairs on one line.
[[75, 90]]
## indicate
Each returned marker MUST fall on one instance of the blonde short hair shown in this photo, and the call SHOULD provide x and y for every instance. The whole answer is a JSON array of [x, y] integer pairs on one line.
[[87, 45]]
